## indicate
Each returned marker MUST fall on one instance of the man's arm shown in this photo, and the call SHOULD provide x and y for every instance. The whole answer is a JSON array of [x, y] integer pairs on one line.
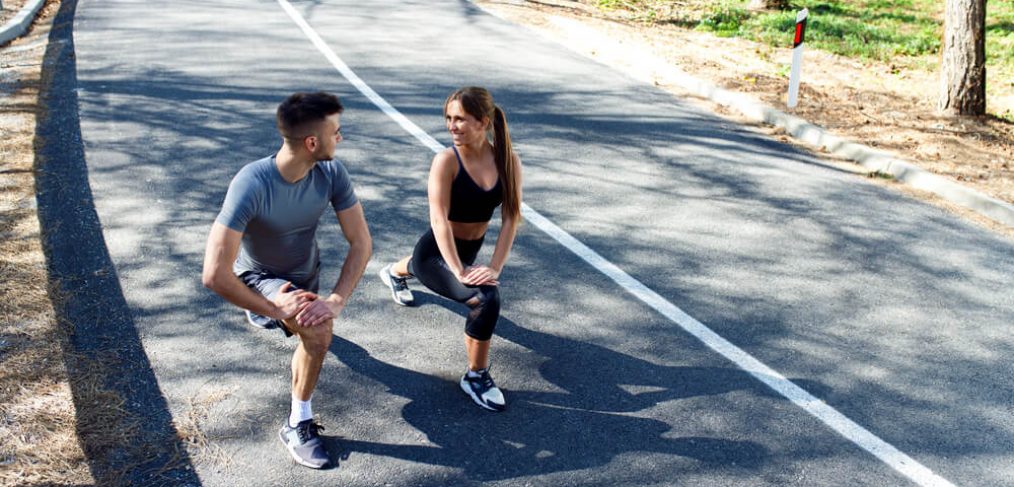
[[353, 224], [220, 253]]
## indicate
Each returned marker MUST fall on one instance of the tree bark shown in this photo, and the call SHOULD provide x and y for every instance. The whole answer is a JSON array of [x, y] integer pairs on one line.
[[963, 61]]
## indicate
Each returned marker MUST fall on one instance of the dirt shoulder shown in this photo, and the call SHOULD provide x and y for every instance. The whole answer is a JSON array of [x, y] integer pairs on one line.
[[10, 9], [887, 106], [38, 420], [75, 408]]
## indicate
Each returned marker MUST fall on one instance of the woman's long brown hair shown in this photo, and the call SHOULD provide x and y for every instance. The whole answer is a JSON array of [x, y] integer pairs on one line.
[[478, 103]]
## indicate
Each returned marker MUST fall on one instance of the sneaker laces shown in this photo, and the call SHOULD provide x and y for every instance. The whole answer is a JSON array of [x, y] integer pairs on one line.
[[308, 431], [484, 379], [487, 380], [400, 283]]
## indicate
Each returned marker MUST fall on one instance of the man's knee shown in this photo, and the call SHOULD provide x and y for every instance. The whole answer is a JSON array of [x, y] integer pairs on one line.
[[315, 339]]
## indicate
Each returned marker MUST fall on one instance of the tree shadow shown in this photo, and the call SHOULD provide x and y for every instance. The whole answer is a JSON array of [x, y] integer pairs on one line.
[[587, 423], [87, 296]]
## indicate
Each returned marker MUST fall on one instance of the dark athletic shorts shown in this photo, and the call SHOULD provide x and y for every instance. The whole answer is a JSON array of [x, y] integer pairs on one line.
[[268, 284]]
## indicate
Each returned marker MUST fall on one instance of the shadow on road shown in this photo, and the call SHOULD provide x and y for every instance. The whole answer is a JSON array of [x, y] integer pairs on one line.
[[587, 424], [133, 443]]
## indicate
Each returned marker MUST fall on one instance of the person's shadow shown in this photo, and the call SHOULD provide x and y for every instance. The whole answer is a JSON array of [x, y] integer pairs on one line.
[[585, 425]]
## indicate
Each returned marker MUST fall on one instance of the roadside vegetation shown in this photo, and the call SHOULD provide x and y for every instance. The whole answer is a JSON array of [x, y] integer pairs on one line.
[[62, 419], [906, 33], [41, 427]]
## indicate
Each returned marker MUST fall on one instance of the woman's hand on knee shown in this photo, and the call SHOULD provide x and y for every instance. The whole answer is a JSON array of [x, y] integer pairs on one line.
[[479, 275]]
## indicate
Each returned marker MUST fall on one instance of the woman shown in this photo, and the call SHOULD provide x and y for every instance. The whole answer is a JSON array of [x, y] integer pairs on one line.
[[466, 183]]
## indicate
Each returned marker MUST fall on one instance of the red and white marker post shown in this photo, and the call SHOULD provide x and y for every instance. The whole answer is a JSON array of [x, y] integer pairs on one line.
[[797, 57]]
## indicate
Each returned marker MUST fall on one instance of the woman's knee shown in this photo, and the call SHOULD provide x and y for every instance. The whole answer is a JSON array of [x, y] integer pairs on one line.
[[487, 296], [491, 297], [484, 314]]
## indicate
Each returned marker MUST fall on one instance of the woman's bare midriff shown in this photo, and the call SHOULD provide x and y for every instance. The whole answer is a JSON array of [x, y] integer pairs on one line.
[[469, 231]]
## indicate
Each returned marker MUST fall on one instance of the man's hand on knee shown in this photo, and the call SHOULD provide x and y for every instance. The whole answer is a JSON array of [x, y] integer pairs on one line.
[[316, 313], [292, 302]]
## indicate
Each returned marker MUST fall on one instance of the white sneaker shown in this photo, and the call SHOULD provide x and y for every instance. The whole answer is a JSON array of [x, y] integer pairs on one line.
[[398, 286], [483, 391]]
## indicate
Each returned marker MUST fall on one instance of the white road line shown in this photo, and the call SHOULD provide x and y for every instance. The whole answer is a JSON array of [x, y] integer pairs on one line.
[[342, 68], [831, 417]]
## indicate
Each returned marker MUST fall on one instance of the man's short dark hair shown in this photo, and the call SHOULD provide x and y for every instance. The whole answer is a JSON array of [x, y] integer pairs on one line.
[[301, 112]]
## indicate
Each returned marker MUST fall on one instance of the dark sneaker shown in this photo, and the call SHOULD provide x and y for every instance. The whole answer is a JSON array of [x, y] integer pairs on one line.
[[483, 391], [303, 443], [398, 286]]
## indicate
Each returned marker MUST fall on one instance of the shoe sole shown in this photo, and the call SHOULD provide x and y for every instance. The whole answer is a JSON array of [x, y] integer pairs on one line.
[[477, 400], [267, 326], [292, 453], [385, 276]]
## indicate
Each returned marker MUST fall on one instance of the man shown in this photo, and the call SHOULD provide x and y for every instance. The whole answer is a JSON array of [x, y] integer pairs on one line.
[[262, 252]]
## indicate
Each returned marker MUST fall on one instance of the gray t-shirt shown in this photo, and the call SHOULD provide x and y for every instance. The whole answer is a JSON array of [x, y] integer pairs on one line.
[[278, 219]]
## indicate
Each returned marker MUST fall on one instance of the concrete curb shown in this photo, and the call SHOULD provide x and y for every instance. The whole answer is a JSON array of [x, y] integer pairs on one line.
[[17, 26], [872, 159]]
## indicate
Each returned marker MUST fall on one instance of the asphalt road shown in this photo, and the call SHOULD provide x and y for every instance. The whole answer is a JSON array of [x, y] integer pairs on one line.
[[893, 312]]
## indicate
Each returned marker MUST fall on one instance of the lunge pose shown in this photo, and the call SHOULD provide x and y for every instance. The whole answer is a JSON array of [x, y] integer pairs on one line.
[[466, 183], [262, 252]]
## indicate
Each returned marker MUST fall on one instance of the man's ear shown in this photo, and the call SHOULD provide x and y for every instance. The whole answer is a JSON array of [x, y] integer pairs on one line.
[[310, 143]]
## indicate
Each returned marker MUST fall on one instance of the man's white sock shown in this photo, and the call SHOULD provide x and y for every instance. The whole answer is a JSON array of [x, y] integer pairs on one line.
[[301, 411]]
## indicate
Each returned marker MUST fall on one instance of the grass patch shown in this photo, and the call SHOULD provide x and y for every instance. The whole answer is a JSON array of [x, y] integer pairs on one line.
[[1000, 49], [866, 29], [876, 29]]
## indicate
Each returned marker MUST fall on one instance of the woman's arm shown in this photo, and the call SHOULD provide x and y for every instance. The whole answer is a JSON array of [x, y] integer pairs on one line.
[[442, 173], [508, 230], [489, 275], [504, 242]]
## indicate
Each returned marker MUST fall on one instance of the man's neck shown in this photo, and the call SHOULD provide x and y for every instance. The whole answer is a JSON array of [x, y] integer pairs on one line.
[[293, 165]]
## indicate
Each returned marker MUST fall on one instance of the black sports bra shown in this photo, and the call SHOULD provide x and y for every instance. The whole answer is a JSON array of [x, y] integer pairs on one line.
[[469, 202]]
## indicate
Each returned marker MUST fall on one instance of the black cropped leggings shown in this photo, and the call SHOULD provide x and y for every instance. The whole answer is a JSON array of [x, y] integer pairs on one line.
[[429, 267]]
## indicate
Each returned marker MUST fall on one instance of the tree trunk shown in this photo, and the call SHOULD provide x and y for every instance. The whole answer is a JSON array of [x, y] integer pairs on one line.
[[768, 5], [963, 62]]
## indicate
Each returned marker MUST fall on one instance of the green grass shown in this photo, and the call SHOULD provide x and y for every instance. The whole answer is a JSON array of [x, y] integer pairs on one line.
[[873, 29], [1000, 44], [878, 30]]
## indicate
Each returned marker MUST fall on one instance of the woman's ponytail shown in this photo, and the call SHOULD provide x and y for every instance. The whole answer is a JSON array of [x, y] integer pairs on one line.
[[506, 165]]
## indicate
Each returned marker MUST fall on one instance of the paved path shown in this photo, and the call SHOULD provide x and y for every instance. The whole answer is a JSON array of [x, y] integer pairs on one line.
[[896, 314]]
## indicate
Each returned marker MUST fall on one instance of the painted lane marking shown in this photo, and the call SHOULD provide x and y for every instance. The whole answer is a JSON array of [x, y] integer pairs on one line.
[[837, 421]]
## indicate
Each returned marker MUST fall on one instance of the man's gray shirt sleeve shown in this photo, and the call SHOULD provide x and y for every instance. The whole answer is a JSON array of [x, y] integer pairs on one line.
[[343, 196], [241, 201]]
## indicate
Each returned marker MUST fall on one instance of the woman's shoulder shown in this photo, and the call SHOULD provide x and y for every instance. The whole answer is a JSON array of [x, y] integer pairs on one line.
[[446, 155], [445, 161]]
